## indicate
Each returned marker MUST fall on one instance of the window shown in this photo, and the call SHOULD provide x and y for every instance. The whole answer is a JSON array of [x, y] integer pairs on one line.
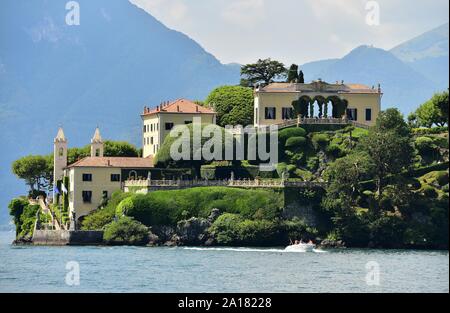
[[352, 114], [169, 126], [105, 194], [151, 140], [87, 196], [97, 152], [115, 177], [61, 152], [187, 122], [368, 114], [287, 113], [151, 127], [145, 129], [271, 113], [87, 177]]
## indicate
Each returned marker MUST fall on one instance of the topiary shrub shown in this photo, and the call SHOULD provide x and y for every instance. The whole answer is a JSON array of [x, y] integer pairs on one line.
[[295, 143], [287, 133], [425, 145], [429, 192], [334, 151], [126, 231], [320, 141]]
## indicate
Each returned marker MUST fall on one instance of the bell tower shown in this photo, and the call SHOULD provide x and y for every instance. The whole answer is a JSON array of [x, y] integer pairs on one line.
[[59, 157], [97, 148]]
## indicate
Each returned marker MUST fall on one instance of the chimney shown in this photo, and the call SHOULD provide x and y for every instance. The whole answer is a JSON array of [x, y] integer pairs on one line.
[[109, 162], [178, 108], [196, 108], [379, 88]]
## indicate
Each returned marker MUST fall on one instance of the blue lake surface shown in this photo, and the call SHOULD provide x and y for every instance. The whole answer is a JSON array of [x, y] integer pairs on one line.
[[132, 269]]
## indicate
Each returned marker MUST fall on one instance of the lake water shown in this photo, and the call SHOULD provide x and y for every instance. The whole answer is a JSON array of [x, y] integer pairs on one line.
[[132, 269]]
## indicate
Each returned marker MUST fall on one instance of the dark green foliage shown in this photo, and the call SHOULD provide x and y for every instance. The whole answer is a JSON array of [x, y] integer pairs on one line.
[[24, 216], [425, 145], [432, 112], [35, 170], [126, 231], [295, 143], [292, 74], [335, 151], [212, 172], [167, 207], [164, 159], [320, 141], [263, 71], [99, 218], [287, 133], [429, 131], [233, 104], [232, 229]]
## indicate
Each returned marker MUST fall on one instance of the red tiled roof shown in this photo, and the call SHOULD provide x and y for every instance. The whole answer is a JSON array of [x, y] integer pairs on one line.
[[179, 106], [118, 162]]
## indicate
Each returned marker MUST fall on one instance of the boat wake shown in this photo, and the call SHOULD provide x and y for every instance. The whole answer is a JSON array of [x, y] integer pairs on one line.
[[251, 250]]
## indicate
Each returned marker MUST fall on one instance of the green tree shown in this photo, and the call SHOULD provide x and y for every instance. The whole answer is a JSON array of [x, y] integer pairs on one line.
[[120, 149], [263, 71], [233, 104], [34, 169], [126, 231], [293, 74], [301, 77], [344, 176], [389, 145], [434, 111]]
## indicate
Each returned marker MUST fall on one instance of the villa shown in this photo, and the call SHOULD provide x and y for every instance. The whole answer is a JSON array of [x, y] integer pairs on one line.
[[88, 182], [280, 102], [159, 122]]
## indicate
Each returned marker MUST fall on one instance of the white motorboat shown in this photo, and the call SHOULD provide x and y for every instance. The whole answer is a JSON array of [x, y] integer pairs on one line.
[[301, 247]]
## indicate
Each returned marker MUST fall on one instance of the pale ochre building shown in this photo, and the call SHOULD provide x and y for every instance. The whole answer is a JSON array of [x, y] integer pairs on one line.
[[93, 179], [158, 122], [279, 102]]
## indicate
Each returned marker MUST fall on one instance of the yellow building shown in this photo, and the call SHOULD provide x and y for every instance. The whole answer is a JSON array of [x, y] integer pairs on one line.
[[279, 102], [92, 179], [158, 122]]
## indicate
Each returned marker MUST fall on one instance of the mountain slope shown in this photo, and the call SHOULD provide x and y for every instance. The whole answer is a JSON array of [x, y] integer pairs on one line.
[[101, 72], [403, 87], [428, 54]]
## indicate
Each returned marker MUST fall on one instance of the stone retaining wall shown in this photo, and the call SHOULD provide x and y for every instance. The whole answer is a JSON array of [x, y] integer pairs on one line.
[[67, 237]]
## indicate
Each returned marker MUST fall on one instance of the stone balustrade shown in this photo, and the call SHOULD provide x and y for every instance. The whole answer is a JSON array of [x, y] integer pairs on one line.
[[245, 183]]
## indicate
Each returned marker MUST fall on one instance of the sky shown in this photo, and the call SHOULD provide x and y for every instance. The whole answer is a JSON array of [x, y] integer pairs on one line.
[[296, 31]]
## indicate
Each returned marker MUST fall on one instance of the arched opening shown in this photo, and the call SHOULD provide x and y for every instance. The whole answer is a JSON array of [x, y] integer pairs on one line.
[[61, 152], [132, 175], [301, 106], [338, 106], [317, 107]]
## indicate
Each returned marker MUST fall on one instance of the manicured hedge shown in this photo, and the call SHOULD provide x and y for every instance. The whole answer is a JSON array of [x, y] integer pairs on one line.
[[296, 142], [287, 133], [169, 207], [211, 172]]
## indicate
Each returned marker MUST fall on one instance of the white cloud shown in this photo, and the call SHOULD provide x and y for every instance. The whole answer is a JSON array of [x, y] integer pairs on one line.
[[245, 13], [293, 30]]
